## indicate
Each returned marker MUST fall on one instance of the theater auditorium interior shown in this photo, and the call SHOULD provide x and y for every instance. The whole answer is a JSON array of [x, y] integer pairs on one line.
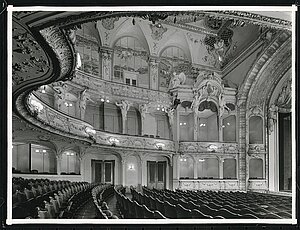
[[151, 115]]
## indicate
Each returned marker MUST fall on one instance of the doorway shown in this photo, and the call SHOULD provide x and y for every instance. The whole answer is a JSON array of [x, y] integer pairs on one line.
[[103, 171], [156, 174]]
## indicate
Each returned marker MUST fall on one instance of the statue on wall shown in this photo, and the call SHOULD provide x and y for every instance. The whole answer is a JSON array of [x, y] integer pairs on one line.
[[170, 113], [285, 96], [143, 110], [60, 90], [196, 102], [222, 105], [124, 106], [272, 118], [83, 98], [176, 80]]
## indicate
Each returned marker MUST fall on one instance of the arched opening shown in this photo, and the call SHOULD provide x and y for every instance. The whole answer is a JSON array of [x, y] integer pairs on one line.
[[130, 62], [229, 129], [208, 129], [255, 130], [256, 169]]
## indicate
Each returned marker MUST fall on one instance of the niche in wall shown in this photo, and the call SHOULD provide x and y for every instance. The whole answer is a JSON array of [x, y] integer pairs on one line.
[[256, 169], [229, 168], [229, 129], [255, 130]]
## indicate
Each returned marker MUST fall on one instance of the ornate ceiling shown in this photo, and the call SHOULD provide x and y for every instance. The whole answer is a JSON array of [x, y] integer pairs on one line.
[[43, 43]]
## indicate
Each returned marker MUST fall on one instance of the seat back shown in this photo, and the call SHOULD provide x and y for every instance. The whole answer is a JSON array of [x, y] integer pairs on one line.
[[147, 213], [182, 213], [196, 214], [170, 210]]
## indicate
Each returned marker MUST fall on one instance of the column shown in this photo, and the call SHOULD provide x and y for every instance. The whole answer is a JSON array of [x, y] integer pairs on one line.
[[58, 163], [195, 168], [124, 106], [106, 57], [153, 63], [195, 126], [170, 179], [144, 172], [220, 129], [221, 161], [124, 172], [143, 111]]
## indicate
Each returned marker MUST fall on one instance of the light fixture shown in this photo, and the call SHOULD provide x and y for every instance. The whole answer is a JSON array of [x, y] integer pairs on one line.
[[37, 105], [228, 123], [158, 108], [102, 100], [201, 160], [160, 145], [90, 130], [68, 104], [131, 167], [184, 123], [180, 123], [37, 150], [107, 100], [163, 109], [212, 148], [44, 151], [113, 140], [223, 126]]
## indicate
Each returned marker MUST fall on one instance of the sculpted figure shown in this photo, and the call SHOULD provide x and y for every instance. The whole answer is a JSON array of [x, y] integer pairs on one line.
[[124, 106], [176, 80], [60, 89], [83, 98], [272, 117]]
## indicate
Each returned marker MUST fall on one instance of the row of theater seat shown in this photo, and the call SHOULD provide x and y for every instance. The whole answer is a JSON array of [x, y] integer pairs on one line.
[[181, 204], [42, 198], [100, 194], [132, 210]]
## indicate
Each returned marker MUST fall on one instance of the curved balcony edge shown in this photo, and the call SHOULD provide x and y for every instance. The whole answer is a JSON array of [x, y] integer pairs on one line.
[[55, 121]]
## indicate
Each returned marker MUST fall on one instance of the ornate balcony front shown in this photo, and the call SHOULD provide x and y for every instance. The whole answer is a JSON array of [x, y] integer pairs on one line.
[[61, 123], [208, 147], [209, 184]]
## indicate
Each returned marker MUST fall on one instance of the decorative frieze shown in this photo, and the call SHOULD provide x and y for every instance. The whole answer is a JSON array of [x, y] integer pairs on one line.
[[208, 147], [257, 184], [216, 184], [256, 148]]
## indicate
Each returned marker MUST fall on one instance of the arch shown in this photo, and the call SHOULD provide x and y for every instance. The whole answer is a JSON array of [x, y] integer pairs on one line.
[[127, 29]]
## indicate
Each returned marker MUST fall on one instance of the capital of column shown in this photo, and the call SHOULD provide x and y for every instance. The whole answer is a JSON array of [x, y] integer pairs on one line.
[[106, 53]]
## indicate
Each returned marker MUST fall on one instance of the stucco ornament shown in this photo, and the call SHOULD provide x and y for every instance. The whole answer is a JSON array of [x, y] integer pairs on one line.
[[157, 31], [284, 99], [124, 106], [272, 118], [177, 80], [60, 89], [83, 98]]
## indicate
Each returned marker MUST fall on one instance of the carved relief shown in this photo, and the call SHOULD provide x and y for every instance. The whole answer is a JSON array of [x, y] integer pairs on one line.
[[284, 98], [272, 118], [29, 60], [177, 80], [58, 42], [109, 23], [157, 31]]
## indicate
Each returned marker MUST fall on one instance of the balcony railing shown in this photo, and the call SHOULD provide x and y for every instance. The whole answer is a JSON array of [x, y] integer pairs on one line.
[[208, 147], [62, 123]]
